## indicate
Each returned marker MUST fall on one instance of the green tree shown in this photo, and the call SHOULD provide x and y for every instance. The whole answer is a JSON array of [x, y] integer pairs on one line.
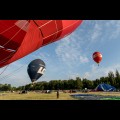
[[111, 78], [117, 79], [78, 83]]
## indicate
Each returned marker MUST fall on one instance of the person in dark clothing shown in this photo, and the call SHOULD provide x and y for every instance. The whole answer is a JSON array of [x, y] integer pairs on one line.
[[57, 94]]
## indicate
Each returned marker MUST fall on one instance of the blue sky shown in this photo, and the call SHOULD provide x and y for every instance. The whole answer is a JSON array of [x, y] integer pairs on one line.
[[71, 56]]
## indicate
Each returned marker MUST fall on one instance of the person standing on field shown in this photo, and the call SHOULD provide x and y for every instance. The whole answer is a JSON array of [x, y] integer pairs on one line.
[[57, 94]]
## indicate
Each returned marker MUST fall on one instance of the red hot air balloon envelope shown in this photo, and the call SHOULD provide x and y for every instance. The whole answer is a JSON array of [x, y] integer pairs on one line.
[[19, 38], [97, 57]]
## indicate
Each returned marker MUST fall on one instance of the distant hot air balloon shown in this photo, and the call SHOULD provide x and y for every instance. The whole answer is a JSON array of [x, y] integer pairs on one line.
[[97, 57], [19, 38], [36, 69]]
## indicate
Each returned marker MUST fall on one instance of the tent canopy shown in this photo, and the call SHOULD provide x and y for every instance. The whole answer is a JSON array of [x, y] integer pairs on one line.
[[105, 87]]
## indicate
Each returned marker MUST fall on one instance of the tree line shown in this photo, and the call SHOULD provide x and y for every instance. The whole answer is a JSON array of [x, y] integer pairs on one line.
[[78, 83]]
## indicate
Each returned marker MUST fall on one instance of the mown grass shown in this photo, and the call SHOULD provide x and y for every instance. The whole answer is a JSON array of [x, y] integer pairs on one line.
[[48, 96], [35, 96]]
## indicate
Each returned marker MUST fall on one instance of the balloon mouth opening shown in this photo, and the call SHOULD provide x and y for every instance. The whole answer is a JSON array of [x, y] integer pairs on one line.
[[32, 84], [33, 81], [98, 64]]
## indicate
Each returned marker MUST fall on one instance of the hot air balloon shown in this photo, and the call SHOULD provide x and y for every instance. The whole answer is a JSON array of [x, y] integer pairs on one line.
[[97, 57], [36, 69], [19, 38]]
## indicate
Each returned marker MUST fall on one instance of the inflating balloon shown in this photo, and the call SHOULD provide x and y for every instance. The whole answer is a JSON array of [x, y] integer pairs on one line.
[[19, 38], [36, 69], [97, 57]]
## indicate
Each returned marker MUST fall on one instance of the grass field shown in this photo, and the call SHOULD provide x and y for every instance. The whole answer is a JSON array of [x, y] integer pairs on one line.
[[35, 96], [48, 96]]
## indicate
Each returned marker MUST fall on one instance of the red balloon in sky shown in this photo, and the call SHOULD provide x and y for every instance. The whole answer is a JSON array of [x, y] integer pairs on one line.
[[19, 38], [97, 57]]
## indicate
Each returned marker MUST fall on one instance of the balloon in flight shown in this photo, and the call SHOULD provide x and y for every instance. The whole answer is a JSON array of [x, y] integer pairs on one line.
[[36, 69], [97, 57], [19, 38]]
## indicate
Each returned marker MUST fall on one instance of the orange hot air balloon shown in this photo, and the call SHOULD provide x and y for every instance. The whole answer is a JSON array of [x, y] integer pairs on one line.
[[97, 57], [19, 38]]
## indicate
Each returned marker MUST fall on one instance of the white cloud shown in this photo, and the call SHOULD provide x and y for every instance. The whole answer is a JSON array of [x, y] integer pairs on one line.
[[116, 31], [72, 75], [99, 71], [97, 32], [39, 55], [86, 75], [69, 50], [84, 59]]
